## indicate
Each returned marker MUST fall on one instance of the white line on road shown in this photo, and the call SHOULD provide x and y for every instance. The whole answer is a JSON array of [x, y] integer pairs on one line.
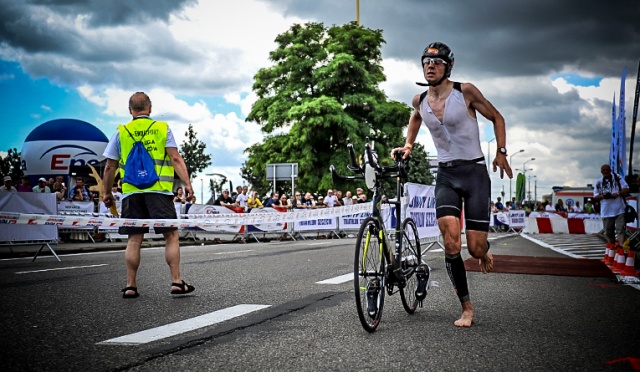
[[316, 243], [59, 268], [233, 252], [183, 326], [338, 279]]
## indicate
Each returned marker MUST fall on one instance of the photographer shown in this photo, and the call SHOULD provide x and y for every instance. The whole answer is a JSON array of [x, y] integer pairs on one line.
[[609, 191]]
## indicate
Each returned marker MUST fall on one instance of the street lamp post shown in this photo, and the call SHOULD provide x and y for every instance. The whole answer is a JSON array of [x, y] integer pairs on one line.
[[524, 172], [511, 195], [529, 193], [489, 154]]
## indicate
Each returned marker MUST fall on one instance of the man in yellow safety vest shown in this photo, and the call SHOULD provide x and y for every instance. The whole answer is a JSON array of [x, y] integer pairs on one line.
[[153, 202]]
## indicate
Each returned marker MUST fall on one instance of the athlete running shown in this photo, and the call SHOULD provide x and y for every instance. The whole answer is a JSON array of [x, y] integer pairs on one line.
[[449, 109]]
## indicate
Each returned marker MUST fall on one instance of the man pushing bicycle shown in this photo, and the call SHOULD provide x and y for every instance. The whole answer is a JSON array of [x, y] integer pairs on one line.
[[449, 109]]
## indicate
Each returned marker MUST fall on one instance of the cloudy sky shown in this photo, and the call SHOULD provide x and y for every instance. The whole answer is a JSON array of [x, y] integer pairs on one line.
[[550, 67]]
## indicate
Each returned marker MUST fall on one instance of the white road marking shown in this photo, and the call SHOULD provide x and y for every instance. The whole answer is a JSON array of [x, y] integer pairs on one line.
[[233, 252], [338, 279], [183, 326], [316, 243], [59, 268]]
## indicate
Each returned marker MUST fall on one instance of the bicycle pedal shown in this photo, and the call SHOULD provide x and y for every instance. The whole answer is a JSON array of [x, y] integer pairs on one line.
[[373, 288], [422, 276]]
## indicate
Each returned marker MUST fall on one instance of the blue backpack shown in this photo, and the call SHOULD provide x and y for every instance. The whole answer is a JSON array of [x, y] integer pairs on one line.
[[140, 168]]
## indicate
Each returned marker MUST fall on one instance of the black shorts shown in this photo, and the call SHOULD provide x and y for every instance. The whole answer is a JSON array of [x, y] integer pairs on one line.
[[149, 205], [469, 182]]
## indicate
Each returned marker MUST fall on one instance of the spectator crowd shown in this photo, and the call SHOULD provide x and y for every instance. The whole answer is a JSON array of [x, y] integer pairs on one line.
[[590, 206]]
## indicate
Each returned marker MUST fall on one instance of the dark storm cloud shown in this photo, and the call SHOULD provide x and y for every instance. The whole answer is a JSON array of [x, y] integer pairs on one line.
[[25, 26], [101, 12], [498, 37], [45, 40]]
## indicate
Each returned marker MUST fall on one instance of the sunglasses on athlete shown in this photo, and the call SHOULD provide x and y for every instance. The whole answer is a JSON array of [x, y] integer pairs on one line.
[[435, 61]]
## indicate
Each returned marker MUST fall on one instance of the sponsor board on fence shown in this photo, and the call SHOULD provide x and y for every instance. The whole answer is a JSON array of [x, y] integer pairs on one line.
[[352, 221], [517, 218], [422, 208], [25, 202], [75, 207]]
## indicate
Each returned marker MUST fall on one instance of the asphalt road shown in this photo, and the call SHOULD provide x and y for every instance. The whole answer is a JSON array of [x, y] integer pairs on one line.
[[64, 316]]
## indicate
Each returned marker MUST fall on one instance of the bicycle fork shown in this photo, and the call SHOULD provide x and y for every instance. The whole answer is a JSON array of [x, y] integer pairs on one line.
[[374, 285]]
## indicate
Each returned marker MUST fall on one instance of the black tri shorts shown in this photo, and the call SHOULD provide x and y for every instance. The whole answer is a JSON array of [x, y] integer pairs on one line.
[[468, 182], [148, 205]]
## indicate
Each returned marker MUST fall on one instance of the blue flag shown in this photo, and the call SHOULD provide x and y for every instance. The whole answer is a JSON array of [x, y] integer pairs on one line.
[[613, 154], [622, 132]]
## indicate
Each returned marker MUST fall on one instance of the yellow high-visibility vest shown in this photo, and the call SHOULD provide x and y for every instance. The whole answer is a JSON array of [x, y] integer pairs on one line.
[[154, 138]]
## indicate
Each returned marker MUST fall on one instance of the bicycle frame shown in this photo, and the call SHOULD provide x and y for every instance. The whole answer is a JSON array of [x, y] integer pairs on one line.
[[375, 173], [388, 268]]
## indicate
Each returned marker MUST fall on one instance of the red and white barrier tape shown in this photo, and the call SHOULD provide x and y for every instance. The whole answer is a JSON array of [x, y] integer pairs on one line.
[[193, 220]]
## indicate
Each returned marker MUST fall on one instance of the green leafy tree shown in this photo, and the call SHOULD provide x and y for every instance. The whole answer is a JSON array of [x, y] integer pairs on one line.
[[419, 170], [322, 92], [10, 165], [192, 151]]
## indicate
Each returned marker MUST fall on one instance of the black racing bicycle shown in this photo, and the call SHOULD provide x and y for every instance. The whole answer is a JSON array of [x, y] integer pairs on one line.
[[378, 269]]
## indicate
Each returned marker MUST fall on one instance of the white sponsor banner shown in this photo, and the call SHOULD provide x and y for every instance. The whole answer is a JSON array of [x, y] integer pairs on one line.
[[500, 218], [585, 216], [213, 210], [517, 218], [328, 223], [75, 207], [422, 208], [353, 221], [264, 227], [545, 215], [26, 202]]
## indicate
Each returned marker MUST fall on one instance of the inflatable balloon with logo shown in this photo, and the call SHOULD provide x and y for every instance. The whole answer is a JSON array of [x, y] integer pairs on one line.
[[55, 146]]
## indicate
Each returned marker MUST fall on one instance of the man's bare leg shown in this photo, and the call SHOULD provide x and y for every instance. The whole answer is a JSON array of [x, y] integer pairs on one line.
[[450, 229], [486, 263], [132, 260], [466, 319], [479, 248]]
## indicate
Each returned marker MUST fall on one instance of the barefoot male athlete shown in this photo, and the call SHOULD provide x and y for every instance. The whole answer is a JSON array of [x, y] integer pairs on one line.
[[449, 109]]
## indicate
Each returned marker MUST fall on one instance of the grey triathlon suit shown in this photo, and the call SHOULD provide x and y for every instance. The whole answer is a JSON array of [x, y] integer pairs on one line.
[[462, 172]]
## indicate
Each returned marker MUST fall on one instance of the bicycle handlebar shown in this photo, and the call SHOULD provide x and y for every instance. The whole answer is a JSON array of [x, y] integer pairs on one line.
[[381, 171], [335, 174]]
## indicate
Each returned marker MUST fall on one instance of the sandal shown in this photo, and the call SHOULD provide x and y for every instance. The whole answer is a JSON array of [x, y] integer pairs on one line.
[[184, 288], [134, 295]]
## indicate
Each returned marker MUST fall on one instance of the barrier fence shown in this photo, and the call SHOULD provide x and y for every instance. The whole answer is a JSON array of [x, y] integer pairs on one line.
[[73, 217], [46, 219]]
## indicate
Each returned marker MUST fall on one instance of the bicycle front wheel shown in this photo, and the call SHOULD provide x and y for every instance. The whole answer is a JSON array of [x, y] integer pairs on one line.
[[410, 259], [368, 274]]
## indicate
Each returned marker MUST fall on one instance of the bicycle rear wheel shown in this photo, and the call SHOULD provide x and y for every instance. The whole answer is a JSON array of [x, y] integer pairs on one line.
[[368, 274], [411, 257]]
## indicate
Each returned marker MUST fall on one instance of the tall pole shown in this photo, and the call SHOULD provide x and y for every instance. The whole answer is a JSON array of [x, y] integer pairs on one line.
[[489, 154], [524, 172], [358, 12], [201, 190], [633, 124]]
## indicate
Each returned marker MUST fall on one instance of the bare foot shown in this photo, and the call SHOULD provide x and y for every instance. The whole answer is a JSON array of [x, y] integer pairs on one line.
[[466, 319], [486, 263]]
